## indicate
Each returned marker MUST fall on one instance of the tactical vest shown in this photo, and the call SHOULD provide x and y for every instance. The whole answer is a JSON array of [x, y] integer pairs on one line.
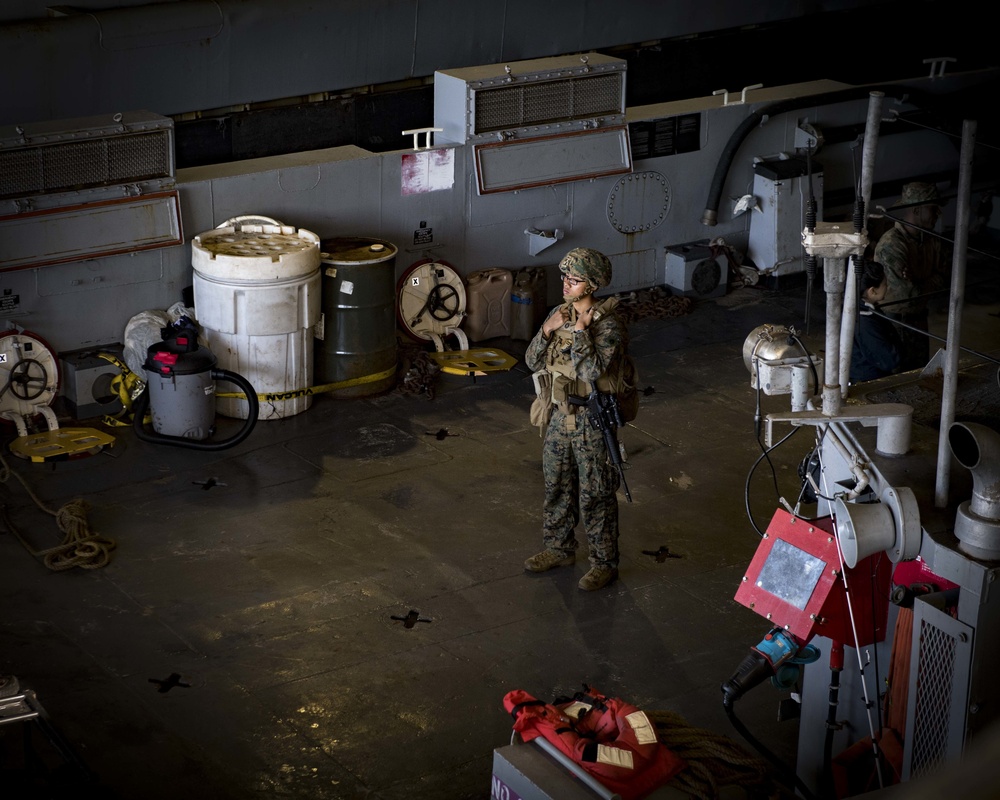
[[559, 363]]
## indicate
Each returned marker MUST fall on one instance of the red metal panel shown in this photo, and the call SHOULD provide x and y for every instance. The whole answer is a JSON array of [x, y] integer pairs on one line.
[[794, 582]]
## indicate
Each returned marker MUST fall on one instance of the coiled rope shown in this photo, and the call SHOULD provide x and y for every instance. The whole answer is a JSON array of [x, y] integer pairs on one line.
[[79, 548], [713, 760]]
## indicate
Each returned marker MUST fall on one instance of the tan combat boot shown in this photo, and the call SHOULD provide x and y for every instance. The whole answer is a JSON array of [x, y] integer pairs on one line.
[[598, 578], [548, 559]]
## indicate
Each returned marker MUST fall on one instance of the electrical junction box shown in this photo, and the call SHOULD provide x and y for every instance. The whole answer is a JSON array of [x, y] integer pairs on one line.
[[781, 191], [86, 382], [692, 270]]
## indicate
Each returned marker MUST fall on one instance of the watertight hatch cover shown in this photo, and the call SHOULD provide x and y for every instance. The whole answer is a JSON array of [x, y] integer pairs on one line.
[[431, 299], [29, 375]]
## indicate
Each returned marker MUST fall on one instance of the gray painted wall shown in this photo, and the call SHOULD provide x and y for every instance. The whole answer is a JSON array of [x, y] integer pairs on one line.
[[348, 191]]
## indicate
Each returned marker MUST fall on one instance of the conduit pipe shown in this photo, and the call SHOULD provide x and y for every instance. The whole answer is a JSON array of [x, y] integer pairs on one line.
[[861, 477]]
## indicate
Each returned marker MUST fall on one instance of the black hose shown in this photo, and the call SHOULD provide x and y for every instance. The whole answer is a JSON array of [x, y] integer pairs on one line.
[[141, 405], [782, 768]]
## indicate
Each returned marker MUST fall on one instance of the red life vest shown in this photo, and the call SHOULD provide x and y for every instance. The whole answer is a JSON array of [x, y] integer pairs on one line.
[[612, 740]]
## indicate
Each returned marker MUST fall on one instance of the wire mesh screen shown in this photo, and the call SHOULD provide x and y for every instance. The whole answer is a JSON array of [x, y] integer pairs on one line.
[[517, 106], [75, 165], [933, 687]]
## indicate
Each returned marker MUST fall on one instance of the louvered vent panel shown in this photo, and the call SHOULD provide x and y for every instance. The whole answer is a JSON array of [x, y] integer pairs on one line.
[[75, 165], [517, 106]]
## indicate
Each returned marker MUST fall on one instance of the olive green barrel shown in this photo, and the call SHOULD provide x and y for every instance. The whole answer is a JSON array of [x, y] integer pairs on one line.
[[357, 330]]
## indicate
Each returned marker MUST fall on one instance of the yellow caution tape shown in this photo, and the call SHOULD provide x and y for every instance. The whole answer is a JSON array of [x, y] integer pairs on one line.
[[271, 397]]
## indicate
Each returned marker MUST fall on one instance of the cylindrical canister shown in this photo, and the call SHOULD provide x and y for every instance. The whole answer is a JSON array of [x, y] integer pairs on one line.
[[357, 330], [527, 302], [181, 392], [257, 298], [488, 304]]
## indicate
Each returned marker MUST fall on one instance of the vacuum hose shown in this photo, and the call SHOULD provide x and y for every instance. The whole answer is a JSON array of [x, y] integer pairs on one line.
[[142, 405]]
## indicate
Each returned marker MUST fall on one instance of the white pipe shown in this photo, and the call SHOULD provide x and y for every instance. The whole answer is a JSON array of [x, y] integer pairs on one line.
[[834, 270], [851, 299], [955, 304], [847, 321]]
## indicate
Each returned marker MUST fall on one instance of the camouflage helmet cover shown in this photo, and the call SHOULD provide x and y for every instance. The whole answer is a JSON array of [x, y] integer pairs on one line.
[[591, 265], [918, 193]]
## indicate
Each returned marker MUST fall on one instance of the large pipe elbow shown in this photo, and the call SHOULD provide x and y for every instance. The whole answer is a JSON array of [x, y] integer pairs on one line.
[[977, 521], [977, 448]]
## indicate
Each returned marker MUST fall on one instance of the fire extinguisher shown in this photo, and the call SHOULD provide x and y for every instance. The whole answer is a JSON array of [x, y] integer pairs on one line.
[[180, 392]]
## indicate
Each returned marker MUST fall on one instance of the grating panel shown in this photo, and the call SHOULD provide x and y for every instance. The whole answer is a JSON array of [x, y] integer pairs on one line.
[[20, 169], [517, 106], [934, 682], [76, 165], [139, 157]]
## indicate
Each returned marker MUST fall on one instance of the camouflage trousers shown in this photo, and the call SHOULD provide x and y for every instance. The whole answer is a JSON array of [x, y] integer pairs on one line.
[[579, 483]]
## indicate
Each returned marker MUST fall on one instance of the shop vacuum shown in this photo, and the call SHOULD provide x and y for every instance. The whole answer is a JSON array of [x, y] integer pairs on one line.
[[180, 392]]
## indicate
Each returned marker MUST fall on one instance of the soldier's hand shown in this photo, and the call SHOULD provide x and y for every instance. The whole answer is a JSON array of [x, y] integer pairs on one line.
[[584, 318], [556, 321]]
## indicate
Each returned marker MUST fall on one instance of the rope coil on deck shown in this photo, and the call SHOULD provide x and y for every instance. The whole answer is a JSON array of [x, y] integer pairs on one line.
[[79, 548], [713, 760]]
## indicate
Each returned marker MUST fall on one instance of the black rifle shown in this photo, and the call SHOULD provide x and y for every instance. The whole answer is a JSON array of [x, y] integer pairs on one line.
[[606, 416]]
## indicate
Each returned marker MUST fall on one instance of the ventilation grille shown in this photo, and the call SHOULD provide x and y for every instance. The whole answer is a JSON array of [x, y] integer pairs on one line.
[[517, 106], [71, 166], [933, 686]]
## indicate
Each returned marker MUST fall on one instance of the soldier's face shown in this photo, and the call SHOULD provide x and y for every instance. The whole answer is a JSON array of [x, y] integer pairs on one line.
[[926, 216], [573, 287]]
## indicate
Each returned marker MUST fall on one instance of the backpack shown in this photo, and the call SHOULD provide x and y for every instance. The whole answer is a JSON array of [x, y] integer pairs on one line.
[[622, 378]]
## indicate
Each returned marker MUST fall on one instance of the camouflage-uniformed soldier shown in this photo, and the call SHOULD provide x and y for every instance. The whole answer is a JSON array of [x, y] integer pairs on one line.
[[914, 265], [575, 345]]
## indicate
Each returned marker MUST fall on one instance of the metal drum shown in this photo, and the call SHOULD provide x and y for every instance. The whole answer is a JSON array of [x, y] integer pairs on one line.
[[357, 330]]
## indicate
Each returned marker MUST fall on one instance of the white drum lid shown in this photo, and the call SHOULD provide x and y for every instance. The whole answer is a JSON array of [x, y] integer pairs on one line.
[[250, 253]]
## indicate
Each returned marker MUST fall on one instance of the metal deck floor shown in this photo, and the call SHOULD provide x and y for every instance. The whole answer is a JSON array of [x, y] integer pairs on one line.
[[275, 597]]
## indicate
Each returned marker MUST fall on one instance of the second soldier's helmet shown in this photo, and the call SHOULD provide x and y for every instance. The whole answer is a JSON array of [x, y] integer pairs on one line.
[[918, 193], [591, 265]]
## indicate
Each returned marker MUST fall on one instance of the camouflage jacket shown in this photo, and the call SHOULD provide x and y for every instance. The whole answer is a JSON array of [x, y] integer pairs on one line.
[[592, 350], [913, 264]]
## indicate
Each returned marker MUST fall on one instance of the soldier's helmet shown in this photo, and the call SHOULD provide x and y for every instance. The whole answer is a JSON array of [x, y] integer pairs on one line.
[[918, 193], [591, 265]]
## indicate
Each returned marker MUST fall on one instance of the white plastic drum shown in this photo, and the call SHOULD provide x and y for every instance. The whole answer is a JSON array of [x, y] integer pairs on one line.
[[257, 298]]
